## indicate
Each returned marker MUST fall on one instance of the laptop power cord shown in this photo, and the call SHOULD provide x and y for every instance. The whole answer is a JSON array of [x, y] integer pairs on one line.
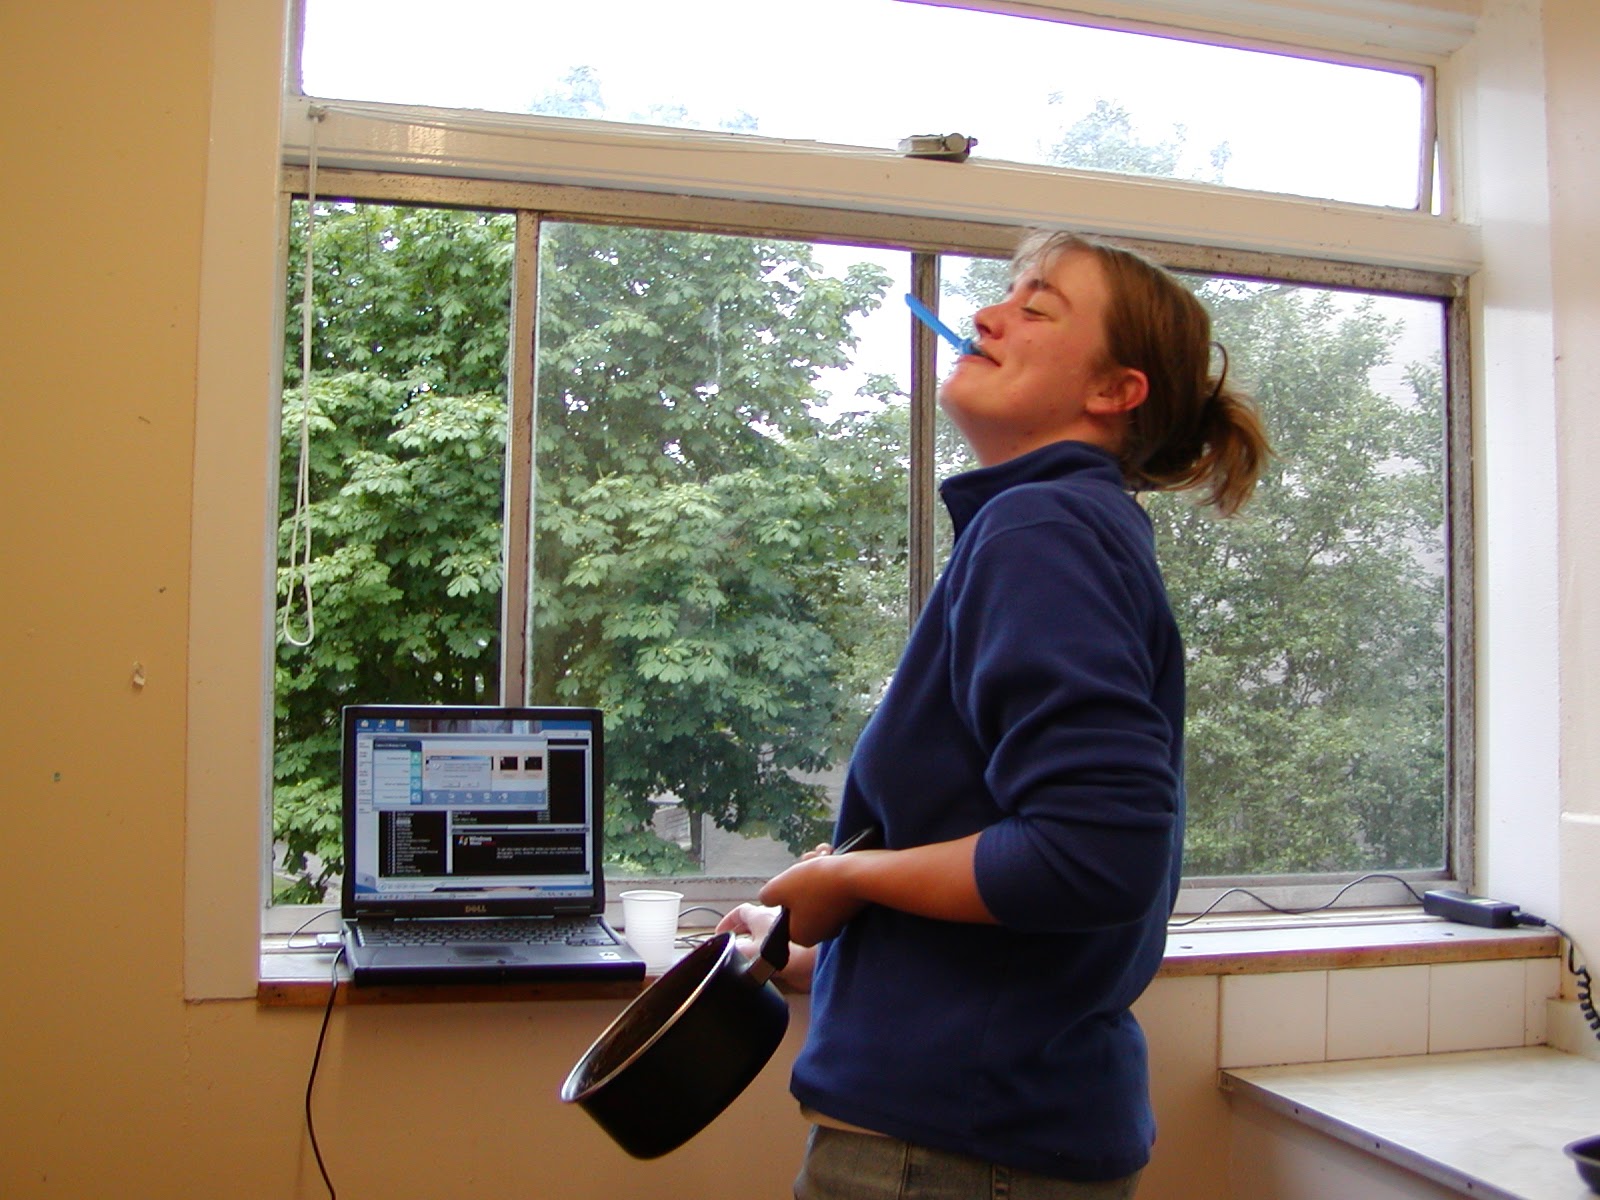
[[311, 1079]]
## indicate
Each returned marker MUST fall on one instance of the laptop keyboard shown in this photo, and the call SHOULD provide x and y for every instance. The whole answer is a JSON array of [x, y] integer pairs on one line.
[[571, 931]]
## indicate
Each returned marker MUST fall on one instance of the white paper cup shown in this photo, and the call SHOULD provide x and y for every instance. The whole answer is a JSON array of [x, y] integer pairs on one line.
[[650, 923]]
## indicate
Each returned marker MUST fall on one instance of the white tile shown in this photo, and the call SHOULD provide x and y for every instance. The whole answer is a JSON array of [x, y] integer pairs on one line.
[[1579, 914], [1541, 984], [1568, 1029], [1476, 1006], [1270, 1019], [1179, 1016], [1379, 1012]]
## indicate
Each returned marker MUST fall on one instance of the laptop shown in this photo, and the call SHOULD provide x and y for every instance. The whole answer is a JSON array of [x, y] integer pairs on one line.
[[472, 846]]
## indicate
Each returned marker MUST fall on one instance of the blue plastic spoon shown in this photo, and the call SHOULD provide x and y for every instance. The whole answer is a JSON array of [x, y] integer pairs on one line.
[[962, 345]]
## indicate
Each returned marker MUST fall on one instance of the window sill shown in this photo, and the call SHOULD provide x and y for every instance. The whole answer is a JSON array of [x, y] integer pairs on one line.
[[1340, 941], [1428, 1115], [300, 978], [1215, 946]]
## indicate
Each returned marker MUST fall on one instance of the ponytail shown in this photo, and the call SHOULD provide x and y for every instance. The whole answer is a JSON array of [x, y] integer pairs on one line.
[[1222, 459]]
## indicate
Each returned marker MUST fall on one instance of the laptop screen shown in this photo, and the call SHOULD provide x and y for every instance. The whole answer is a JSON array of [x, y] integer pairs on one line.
[[471, 811]]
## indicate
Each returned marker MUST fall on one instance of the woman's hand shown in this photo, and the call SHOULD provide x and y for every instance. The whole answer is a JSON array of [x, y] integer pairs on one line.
[[750, 923], [819, 893], [823, 891]]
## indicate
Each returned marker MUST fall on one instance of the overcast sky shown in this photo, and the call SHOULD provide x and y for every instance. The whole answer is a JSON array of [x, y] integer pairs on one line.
[[870, 72]]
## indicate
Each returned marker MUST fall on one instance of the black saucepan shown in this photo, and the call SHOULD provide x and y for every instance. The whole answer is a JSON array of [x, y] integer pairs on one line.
[[690, 1043]]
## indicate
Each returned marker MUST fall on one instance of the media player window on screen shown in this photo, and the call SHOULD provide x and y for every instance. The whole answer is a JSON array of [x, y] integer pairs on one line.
[[451, 812]]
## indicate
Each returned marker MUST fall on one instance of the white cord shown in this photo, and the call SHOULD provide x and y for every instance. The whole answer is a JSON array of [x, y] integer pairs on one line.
[[300, 520]]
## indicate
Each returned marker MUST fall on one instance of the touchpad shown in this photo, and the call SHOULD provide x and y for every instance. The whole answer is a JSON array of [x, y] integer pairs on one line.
[[479, 953]]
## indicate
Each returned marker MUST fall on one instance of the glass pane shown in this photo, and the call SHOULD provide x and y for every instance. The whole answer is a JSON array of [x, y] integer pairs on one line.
[[966, 284], [1315, 622], [1052, 93], [1316, 625], [720, 529], [407, 408]]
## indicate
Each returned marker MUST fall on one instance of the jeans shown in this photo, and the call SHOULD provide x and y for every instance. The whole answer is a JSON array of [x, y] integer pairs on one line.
[[863, 1166]]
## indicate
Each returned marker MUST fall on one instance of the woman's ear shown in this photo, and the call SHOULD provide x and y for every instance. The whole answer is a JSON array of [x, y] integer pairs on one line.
[[1121, 390]]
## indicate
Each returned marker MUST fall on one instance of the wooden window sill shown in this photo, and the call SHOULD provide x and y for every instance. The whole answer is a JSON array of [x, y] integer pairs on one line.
[[1340, 941], [1215, 946]]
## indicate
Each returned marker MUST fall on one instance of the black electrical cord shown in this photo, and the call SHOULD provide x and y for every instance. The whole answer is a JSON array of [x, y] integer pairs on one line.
[[1579, 971], [715, 912], [698, 938], [1293, 912], [311, 1080]]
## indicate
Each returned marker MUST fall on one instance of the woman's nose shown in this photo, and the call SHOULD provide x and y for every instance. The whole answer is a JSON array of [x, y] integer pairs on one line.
[[986, 321]]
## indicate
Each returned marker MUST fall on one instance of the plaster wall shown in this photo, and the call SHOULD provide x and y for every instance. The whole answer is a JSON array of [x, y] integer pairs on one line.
[[1572, 47], [116, 1085]]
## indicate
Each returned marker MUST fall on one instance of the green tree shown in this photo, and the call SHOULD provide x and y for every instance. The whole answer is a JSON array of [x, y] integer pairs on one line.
[[406, 406], [1104, 139], [693, 557], [696, 573], [1314, 623]]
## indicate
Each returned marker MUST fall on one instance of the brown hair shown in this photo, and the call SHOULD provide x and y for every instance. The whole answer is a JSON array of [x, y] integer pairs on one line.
[[1194, 430]]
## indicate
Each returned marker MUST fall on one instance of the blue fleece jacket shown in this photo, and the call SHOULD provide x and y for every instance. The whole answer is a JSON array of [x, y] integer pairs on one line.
[[1039, 700]]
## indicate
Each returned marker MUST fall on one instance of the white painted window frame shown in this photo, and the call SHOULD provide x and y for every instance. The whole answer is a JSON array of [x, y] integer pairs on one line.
[[240, 340]]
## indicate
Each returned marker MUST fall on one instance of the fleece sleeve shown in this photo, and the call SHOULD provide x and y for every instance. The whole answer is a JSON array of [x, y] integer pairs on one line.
[[1054, 673]]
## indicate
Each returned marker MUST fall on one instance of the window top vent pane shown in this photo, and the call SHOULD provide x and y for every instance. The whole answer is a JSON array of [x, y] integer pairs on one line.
[[1029, 90]]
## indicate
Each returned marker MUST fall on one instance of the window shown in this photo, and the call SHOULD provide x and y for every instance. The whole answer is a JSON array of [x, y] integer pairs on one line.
[[1315, 622], [729, 461], [406, 416], [1049, 92], [719, 544]]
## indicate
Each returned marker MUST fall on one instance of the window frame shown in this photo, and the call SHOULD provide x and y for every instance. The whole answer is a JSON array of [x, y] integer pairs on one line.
[[1417, 36], [534, 201], [1240, 231]]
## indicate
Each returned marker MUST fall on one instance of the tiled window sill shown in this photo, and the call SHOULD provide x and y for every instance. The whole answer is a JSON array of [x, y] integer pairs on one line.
[[1220, 946]]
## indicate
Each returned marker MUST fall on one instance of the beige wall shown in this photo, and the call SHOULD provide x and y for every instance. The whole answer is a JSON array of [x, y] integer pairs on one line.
[[105, 153], [1572, 49], [113, 1084]]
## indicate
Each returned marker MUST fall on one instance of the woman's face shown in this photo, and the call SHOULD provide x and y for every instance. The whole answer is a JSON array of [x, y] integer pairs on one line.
[[1047, 377]]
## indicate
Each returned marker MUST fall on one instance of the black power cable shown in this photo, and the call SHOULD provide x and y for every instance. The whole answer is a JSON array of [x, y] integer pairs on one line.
[[1292, 912], [311, 1080]]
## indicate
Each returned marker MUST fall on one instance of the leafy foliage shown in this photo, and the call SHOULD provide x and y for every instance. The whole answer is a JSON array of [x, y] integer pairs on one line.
[[1314, 623], [1104, 139], [722, 569], [703, 571], [692, 553]]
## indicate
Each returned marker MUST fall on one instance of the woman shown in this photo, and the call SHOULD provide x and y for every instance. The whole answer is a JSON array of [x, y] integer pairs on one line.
[[970, 1032]]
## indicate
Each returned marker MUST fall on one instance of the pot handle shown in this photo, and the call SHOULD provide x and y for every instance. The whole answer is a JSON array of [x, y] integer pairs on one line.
[[773, 955]]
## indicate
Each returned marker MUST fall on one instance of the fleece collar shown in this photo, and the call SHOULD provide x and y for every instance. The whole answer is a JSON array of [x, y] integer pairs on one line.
[[968, 492]]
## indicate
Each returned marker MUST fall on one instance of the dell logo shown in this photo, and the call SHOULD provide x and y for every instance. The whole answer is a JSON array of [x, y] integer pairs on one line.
[[477, 909]]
